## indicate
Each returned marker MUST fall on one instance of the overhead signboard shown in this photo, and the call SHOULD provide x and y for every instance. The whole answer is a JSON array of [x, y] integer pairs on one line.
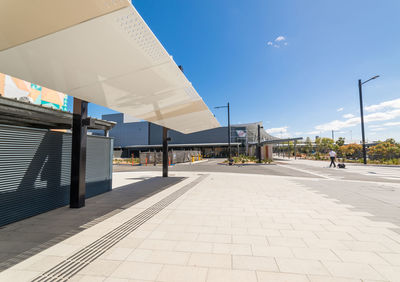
[[103, 52]]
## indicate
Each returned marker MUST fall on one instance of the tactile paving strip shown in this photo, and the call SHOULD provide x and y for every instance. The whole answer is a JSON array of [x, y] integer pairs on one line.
[[76, 262]]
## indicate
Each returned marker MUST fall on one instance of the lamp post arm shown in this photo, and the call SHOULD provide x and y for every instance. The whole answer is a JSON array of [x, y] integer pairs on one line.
[[375, 77]]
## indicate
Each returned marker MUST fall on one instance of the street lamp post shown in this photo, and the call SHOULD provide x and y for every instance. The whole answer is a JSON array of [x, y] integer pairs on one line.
[[259, 143], [362, 116], [229, 132]]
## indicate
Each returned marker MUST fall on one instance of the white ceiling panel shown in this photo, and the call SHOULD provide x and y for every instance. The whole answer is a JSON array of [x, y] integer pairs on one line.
[[113, 60]]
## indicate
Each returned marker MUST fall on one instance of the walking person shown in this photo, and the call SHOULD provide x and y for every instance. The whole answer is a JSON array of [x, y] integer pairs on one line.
[[332, 155]]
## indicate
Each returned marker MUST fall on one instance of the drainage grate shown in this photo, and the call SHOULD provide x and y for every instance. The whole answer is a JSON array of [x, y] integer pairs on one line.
[[75, 263]]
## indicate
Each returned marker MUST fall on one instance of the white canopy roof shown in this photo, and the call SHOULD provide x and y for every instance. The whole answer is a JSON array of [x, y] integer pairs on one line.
[[103, 52]]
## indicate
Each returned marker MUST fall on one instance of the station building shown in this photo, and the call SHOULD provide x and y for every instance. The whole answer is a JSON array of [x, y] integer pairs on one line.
[[132, 137]]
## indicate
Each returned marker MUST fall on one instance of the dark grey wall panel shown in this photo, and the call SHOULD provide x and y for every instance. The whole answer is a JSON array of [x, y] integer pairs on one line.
[[133, 133], [215, 135], [156, 132], [140, 133], [35, 170]]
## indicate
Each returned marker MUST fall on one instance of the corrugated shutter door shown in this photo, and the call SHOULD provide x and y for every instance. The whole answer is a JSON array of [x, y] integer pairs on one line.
[[98, 161], [35, 170]]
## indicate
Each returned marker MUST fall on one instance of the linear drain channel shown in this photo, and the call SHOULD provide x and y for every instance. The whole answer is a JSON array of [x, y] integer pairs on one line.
[[75, 263]]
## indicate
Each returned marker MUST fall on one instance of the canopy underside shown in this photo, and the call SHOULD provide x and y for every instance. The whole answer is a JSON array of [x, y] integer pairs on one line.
[[110, 58]]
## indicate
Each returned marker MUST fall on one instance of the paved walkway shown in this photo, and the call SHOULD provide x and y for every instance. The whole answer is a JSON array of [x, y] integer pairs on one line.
[[366, 172], [25, 238], [226, 227]]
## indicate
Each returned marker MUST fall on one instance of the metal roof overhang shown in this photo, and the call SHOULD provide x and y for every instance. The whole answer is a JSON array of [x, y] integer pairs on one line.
[[13, 112], [101, 52], [182, 145], [277, 141]]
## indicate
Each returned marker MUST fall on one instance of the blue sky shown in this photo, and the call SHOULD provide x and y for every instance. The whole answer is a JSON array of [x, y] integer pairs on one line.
[[302, 83]]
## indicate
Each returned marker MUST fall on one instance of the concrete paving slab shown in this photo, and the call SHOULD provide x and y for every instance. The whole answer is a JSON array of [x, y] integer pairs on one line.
[[242, 227], [21, 240]]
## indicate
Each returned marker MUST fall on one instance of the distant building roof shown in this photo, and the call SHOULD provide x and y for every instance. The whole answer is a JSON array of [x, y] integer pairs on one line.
[[184, 145]]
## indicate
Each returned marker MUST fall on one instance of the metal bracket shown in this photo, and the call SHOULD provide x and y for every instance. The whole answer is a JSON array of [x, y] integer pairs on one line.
[[88, 122]]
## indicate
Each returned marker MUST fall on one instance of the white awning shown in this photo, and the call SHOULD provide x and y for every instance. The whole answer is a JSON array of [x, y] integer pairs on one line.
[[103, 52]]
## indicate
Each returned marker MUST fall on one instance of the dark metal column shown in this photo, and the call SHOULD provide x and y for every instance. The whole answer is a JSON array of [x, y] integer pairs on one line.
[[362, 122], [230, 161], [78, 158], [165, 152], [229, 137], [259, 144]]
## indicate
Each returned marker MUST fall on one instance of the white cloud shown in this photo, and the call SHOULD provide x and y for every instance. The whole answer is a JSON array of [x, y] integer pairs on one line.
[[384, 111], [396, 123], [313, 132], [338, 124], [280, 132], [348, 116], [278, 42], [378, 129], [381, 116], [277, 130], [391, 104], [285, 135], [374, 125]]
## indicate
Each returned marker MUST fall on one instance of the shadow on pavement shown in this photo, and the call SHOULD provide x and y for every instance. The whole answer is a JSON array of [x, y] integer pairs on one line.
[[23, 239]]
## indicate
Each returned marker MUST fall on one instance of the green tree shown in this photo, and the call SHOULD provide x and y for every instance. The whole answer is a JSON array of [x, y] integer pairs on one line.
[[385, 150], [340, 141], [326, 145], [390, 141], [350, 151], [318, 144], [308, 146], [291, 148]]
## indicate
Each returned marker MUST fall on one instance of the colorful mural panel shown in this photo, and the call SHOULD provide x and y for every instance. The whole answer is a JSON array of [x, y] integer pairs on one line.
[[12, 87]]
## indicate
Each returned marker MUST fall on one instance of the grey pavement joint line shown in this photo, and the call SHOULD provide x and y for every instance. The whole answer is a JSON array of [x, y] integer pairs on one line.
[[306, 171], [76, 262]]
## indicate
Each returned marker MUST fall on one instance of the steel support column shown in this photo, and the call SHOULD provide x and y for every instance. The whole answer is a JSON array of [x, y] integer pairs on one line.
[[165, 152], [259, 143], [78, 158], [230, 161], [364, 149]]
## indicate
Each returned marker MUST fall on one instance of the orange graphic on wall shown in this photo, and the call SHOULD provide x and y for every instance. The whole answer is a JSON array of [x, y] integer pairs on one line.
[[12, 87]]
